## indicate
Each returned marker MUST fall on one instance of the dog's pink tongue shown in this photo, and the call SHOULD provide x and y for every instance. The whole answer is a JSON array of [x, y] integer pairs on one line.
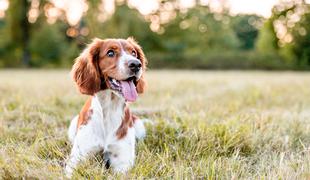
[[129, 90]]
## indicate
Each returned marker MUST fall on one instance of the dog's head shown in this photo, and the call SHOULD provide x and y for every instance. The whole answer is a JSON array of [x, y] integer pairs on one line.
[[117, 64]]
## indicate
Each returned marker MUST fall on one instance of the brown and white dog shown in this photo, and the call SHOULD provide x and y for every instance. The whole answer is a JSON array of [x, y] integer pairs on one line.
[[112, 72]]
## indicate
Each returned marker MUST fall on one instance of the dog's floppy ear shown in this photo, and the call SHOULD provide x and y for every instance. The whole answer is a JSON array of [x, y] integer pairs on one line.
[[141, 83], [85, 71]]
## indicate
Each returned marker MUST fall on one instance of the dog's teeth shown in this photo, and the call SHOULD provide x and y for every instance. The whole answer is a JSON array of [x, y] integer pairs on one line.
[[114, 81]]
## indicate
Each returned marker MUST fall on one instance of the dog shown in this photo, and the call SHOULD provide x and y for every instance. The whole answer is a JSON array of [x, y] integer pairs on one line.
[[111, 71]]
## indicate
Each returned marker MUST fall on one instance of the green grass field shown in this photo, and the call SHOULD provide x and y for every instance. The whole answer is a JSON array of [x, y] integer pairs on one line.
[[207, 124]]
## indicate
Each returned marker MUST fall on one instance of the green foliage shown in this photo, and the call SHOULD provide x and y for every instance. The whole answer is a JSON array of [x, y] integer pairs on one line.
[[17, 13], [267, 41], [192, 38], [48, 45], [221, 60], [198, 31], [128, 22], [19, 30], [301, 45], [245, 27], [293, 47]]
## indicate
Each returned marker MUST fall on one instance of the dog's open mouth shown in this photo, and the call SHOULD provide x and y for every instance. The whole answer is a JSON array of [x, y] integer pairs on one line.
[[127, 88]]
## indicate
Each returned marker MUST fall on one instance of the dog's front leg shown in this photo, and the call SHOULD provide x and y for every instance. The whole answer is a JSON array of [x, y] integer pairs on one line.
[[72, 162], [122, 152], [84, 144]]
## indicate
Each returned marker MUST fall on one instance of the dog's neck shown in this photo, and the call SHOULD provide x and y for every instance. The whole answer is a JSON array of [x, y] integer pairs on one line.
[[109, 105], [110, 100]]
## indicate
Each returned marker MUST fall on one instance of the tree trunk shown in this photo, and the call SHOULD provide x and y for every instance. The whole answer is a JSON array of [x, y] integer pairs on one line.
[[20, 28], [25, 33]]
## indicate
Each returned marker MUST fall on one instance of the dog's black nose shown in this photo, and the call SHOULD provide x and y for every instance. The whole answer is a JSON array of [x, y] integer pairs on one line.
[[134, 65]]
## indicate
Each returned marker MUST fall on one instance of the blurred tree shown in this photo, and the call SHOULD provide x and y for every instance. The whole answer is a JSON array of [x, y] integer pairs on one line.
[[19, 29], [127, 22], [48, 46], [199, 30], [267, 41], [288, 29], [301, 35], [245, 27], [91, 19], [3, 41], [173, 36]]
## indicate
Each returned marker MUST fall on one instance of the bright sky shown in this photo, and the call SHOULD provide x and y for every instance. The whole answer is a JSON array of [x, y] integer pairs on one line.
[[261, 7]]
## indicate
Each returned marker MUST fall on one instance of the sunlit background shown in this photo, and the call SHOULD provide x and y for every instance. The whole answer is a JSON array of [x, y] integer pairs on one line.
[[74, 9], [206, 34]]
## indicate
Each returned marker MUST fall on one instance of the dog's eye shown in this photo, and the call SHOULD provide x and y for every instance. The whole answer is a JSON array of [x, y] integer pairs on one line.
[[110, 53], [134, 53]]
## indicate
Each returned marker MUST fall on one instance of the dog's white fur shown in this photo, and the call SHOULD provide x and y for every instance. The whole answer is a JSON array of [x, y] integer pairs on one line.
[[100, 134]]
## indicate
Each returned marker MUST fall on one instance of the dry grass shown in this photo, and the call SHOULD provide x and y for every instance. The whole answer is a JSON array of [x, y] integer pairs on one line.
[[214, 125]]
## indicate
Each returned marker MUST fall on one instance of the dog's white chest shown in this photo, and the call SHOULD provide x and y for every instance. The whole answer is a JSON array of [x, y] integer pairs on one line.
[[108, 110]]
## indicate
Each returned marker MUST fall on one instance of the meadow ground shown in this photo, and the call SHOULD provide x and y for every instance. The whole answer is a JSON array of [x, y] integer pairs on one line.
[[207, 124]]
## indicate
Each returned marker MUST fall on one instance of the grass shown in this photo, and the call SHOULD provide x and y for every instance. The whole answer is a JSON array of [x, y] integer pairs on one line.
[[207, 124]]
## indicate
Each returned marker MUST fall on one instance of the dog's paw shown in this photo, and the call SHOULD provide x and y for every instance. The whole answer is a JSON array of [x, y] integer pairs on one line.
[[121, 169], [68, 172]]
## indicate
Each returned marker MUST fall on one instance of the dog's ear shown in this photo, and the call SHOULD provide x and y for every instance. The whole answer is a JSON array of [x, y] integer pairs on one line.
[[141, 83], [86, 71]]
